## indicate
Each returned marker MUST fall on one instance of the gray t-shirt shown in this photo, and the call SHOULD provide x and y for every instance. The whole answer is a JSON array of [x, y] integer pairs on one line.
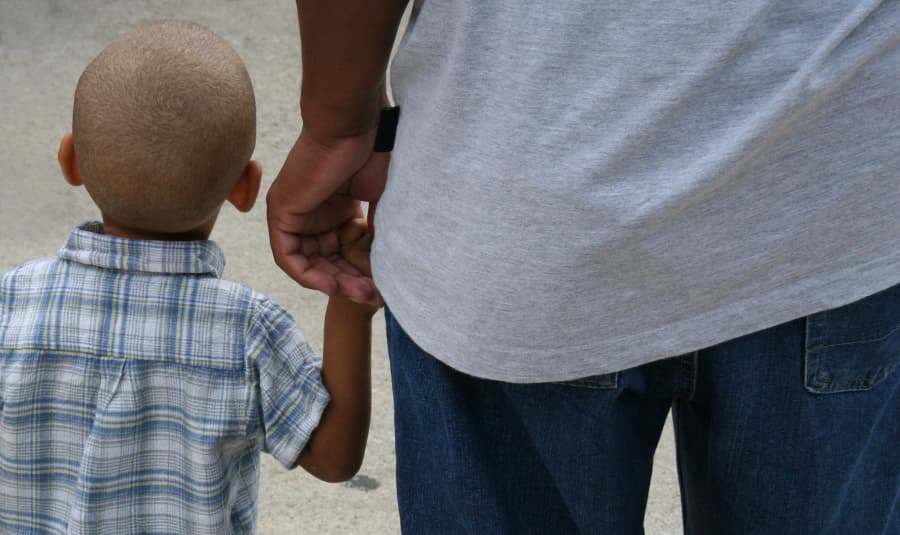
[[579, 187]]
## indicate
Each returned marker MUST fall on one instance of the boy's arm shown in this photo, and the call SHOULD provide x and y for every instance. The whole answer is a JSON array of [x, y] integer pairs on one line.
[[336, 448]]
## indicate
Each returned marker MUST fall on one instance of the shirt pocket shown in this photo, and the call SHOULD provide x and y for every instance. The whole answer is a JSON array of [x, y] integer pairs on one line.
[[855, 347]]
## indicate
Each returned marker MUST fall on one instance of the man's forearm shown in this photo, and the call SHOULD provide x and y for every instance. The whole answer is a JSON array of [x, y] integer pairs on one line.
[[345, 45]]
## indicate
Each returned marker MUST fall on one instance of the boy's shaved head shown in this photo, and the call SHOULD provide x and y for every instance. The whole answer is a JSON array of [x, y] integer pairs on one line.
[[164, 123]]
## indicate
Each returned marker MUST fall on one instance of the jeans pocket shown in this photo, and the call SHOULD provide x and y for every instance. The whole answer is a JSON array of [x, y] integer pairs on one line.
[[855, 347], [606, 380]]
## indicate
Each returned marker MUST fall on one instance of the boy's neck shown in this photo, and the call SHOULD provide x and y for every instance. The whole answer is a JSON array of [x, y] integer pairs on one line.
[[112, 228]]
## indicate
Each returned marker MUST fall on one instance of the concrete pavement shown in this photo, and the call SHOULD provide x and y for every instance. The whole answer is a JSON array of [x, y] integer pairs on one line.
[[44, 45]]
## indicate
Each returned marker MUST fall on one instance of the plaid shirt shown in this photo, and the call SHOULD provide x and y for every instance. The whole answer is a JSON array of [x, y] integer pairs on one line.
[[137, 390]]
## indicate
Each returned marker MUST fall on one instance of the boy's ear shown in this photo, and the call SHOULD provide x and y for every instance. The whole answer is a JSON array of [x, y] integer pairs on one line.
[[244, 193], [68, 163]]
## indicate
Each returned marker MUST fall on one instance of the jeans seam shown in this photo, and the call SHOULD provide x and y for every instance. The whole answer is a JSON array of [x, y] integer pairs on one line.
[[679, 460], [814, 385], [695, 364], [807, 383], [686, 383], [856, 342], [591, 383]]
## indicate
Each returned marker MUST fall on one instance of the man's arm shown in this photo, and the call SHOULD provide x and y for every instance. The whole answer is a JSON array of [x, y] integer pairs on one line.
[[345, 47]]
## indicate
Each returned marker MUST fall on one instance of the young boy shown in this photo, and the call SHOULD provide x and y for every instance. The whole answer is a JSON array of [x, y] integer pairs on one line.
[[137, 388]]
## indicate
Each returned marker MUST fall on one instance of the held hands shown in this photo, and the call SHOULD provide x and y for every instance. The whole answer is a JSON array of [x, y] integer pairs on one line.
[[316, 230], [355, 243]]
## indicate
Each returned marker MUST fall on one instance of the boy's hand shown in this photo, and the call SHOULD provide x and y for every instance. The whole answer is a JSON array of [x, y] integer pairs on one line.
[[356, 244]]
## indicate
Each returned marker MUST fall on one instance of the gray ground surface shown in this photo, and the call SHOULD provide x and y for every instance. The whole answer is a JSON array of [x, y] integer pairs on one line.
[[44, 45]]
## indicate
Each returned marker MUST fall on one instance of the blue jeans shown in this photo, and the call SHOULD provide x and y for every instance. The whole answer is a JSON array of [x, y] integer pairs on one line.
[[790, 430]]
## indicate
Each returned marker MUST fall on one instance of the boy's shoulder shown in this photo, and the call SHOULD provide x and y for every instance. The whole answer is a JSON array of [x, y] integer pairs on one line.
[[259, 305], [36, 265], [266, 315], [29, 274], [267, 322]]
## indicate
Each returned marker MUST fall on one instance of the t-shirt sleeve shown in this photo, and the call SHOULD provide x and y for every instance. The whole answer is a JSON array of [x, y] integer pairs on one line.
[[291, 394]]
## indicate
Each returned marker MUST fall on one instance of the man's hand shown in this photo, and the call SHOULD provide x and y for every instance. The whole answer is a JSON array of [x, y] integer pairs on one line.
[[315, 196], [345, 47]]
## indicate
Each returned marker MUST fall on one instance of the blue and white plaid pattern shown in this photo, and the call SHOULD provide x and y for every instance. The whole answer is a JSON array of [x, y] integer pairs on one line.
[[137, 390]]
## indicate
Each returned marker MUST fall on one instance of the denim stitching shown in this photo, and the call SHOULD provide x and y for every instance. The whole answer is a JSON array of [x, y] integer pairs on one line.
[[869, 341], [851, 385], [686, 375], [594, 382], [677, 384], [807, 357], [695, 365], [855, 384]]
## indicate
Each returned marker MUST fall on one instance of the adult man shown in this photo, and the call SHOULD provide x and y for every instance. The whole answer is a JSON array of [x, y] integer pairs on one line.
[[654, 204]]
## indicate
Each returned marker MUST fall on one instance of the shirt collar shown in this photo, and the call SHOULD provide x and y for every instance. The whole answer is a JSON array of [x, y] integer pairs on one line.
[[88, 245]]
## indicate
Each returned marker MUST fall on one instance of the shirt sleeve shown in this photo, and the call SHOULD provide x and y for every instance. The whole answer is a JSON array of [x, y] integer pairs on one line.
[[291, 394]]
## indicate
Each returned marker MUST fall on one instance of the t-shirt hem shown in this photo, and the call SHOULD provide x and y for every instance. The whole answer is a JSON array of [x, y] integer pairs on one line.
[[717, 325]]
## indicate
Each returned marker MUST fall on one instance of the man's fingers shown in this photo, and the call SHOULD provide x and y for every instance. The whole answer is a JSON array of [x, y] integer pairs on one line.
[[315, 279], [297, 256], [328, 244], [309, 275], [282, 244], [332, 274], [360, 290], [354, 285]]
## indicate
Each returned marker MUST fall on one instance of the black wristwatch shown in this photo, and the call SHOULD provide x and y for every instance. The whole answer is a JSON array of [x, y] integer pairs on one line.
[[387, 129]]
